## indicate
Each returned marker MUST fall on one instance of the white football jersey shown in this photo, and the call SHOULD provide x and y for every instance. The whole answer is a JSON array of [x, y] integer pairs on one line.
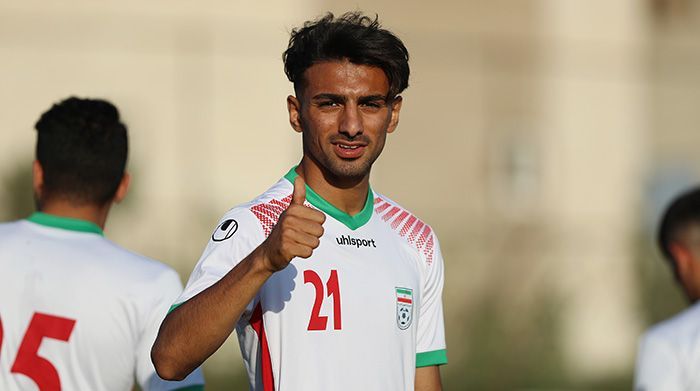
[[360, 314], [669, 354], [78, 312]]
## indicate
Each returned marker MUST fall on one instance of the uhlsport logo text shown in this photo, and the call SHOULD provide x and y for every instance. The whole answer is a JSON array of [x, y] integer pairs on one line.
[[347, 240]]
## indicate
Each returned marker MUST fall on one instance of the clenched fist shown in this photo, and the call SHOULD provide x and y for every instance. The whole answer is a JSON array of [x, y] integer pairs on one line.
[[297, 231]]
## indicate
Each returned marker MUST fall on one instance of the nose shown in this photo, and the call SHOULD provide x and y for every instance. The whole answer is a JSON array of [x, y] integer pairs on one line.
[[351, 121]]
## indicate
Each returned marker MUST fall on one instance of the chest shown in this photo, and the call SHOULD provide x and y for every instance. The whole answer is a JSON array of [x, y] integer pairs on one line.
[[355, 282]]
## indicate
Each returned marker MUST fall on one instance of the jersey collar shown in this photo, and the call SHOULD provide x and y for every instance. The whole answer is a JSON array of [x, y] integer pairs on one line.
[[64, 223], [352, 222]]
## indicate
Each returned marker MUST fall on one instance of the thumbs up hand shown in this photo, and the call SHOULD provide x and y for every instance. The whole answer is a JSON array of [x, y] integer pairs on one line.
[[296, 234]]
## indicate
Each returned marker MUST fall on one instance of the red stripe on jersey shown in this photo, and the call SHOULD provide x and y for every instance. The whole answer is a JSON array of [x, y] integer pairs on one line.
[[393, 211], [421, 235], [283, 205], [429, 250], [402, 217], [268, 213], [382, 207], [256, 321], [424, 237], [262, 213], [407, 226], [276, 210], [416, 230], [402, 300]]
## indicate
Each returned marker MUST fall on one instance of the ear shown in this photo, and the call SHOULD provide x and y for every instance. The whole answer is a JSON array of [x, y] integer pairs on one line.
[[395, 111], [683, 260], [37, 179], [294, 109], [123, 188]]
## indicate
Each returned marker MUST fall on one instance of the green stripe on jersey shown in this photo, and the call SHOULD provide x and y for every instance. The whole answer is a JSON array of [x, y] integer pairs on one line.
[[70, 224], [436, 357], [352, 222], [172, 307], [198, 387], [404, 291]]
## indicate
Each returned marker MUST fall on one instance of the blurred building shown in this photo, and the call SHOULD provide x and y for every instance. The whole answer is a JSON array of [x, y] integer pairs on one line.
[[529, 138]]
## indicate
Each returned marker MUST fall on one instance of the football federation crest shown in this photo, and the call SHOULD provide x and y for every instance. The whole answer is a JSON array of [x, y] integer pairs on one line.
[[404, 307]]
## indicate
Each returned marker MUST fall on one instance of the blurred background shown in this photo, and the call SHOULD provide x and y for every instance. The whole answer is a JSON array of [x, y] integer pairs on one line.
[[540, 138]]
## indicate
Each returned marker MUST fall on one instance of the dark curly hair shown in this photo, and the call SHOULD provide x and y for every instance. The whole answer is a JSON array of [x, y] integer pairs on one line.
[[352, 36], [681, 213], [82, 148]]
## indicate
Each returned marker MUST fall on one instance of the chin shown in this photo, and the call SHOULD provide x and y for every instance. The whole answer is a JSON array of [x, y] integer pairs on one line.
[[349, 169]]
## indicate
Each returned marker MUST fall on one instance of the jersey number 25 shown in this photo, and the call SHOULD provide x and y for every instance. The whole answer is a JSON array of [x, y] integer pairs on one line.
[[28, 362]]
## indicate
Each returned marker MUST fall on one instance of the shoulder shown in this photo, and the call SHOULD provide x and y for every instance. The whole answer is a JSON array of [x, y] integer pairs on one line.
[[14, 228], [134, 266], [250, 220], [679, 332], [267, 207], [10, 226], [407, 227]]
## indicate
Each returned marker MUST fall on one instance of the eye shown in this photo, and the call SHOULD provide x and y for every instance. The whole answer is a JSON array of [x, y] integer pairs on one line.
[[327, 103], [373, 105]]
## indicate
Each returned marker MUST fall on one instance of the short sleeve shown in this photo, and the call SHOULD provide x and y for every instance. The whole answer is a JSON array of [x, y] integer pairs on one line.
[[431, 347], [658, 367], [163, 291], [236, 235]]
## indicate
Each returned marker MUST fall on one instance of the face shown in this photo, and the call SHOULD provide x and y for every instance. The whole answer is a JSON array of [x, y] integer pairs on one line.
[[344, 116]]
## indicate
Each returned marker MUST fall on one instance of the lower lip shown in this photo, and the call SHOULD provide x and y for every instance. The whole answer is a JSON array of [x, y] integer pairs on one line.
[[346, 153]]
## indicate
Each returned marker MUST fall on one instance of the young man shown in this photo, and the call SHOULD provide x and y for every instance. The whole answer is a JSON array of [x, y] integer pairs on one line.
[[78, 312], [329, 285], [669, 353]]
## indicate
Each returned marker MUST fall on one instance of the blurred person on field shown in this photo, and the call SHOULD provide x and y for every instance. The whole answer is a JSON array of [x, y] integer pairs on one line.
[[669, 352], [77, 311]]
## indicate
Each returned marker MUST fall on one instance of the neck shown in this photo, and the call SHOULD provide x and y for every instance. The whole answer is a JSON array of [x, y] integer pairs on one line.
[[92, 213], [346, 194]]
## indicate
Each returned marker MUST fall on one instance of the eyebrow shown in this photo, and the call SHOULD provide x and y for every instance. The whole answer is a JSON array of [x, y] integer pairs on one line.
[[341, 98], [329, 96]]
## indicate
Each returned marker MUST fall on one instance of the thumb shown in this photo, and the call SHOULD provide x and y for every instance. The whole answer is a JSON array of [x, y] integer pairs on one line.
[[299, 195]]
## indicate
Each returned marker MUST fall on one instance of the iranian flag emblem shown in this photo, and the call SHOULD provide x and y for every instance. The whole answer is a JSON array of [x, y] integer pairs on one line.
[[404, 307]]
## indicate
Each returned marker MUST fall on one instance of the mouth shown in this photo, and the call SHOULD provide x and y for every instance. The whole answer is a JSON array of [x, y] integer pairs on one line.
[[349, 150]]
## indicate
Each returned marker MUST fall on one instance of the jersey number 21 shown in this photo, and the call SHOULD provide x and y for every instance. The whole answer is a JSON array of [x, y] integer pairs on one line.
[[318, 321]]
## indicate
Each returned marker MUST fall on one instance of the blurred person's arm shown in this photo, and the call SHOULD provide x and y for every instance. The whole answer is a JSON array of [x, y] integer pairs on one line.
[[658, 366], [200, 324], [428, 379]]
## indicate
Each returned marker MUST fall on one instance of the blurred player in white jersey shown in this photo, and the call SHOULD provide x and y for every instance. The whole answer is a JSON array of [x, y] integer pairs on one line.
[[78, 312], [669, 352], [328, 284]]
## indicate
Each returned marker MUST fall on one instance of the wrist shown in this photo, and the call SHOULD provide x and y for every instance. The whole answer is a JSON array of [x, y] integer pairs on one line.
[[261, 262]]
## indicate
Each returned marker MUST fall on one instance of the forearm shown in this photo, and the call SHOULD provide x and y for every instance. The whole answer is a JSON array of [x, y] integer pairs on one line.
[[428, 379], [197, 328]]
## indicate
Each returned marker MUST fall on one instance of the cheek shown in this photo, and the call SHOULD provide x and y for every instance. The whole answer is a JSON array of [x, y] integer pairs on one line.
[[377, 124]]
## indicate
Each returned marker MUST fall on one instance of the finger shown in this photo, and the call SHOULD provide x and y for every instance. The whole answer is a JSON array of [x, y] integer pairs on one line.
[[299, 195], [299, 223], [300, 238], [306, 214], [301, 251]]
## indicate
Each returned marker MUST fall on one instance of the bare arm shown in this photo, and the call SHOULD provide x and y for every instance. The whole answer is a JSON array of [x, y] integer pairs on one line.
[[428, 379], [196, 329]]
